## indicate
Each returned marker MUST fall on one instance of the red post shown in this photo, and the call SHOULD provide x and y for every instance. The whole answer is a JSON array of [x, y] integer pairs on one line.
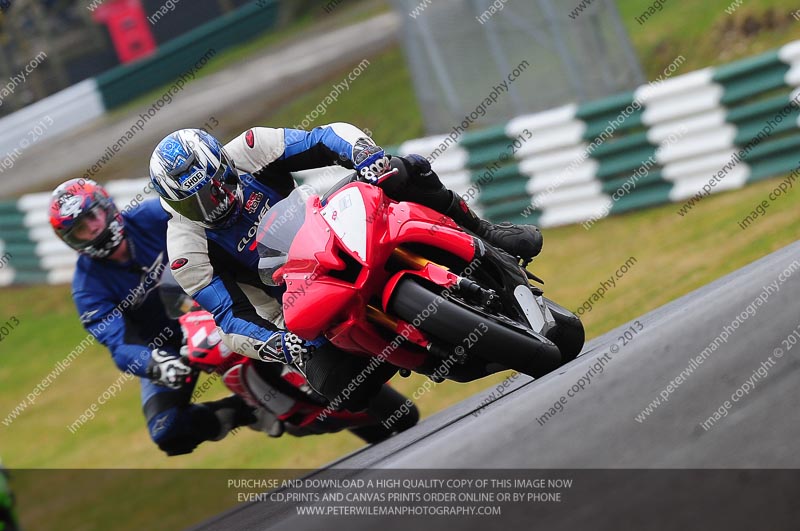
[[129, 29]]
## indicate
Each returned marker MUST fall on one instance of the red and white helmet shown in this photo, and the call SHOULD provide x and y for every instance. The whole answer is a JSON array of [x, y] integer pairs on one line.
[[77, 203]]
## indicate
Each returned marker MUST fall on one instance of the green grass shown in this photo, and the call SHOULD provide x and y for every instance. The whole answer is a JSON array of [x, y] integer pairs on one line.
[[704, 33], [379, 100], [674, 256]]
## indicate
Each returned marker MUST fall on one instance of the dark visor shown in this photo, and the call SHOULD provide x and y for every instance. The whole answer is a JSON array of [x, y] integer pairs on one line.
[[71, 236], [212, 202]]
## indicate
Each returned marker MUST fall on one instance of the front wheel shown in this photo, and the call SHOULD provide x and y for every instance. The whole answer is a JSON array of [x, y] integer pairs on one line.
[[457, 324]]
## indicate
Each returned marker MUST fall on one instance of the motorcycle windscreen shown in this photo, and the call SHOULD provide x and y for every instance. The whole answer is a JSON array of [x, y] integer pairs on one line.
[[277, 231]]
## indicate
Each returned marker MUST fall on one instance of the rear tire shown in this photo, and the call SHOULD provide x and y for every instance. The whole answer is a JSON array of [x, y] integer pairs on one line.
[[504, 341], [388, 408]]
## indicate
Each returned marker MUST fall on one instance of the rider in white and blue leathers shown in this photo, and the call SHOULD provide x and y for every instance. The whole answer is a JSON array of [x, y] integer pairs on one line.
[[217, 195]]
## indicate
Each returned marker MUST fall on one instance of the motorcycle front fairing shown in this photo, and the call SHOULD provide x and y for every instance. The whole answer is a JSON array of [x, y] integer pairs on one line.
[[362, 229], [323, 278], [334, 267]]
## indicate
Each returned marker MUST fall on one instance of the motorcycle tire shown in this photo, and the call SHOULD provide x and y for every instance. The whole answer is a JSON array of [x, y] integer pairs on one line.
[[503, 341]]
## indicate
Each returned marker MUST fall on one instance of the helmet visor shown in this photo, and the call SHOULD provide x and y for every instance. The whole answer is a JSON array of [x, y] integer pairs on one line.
[[88, 228], [212, 204]]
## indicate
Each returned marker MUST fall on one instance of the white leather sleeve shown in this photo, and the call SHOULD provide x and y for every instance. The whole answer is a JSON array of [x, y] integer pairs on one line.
[[187, 241], [256, 148]]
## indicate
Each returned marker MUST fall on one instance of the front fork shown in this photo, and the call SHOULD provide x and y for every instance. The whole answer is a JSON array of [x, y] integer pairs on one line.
[[526, 298]]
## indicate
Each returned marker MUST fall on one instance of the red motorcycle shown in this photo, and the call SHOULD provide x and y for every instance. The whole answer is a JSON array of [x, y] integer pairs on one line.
[[400, 281], [280, 389]]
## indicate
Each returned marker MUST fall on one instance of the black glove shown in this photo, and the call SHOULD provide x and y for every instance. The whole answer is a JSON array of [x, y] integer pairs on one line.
[[168, 369], [419, 164]]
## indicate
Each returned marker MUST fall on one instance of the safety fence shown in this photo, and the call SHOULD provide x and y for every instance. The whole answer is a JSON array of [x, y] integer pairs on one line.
[[676, 140]]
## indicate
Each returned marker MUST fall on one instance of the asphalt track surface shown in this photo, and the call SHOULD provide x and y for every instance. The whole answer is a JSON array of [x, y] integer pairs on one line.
[[597, 440]]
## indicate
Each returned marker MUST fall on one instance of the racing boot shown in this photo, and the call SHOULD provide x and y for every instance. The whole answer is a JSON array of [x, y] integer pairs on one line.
[[267, 422], [522, 241], [231, 413]]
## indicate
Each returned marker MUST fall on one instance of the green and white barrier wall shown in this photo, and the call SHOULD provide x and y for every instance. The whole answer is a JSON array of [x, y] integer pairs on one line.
[[667, 140], [663, 142]]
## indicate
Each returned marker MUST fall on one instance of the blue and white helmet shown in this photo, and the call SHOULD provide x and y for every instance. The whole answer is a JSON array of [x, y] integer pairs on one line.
[[192, 173]]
